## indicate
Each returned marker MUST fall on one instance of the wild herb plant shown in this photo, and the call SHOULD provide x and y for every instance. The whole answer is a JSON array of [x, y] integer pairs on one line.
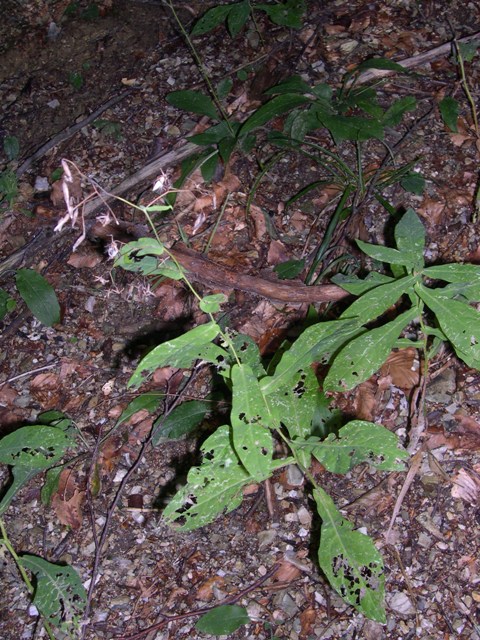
[[349, 115], [449, 107], [278, 402], [235, 15], [37, 293], [57, 591], [8, 179]]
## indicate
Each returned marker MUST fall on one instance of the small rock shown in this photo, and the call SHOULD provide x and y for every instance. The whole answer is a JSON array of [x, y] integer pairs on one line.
[[295, 476], [401, 603]]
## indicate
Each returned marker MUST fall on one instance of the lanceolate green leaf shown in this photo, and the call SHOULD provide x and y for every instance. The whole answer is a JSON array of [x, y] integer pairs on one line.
[[288, 13], [381, 63], [454, 272], [364, 355], [356, 286], [39, 296], [360, 441], [385, 254], [237, 17], [182, 420], [181, 352], [146, 401], [353, 128], [449, 110], [458, 321], [350, 560], [376, 301], [410, 237], [59, 594], [251, 423], [194, 102], [393, 114], [223, 620], [273, 108], [294, 84], [211, 19]]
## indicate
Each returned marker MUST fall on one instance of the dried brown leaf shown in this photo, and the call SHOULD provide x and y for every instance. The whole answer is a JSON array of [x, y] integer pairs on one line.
[[466, 486], [403, 368]]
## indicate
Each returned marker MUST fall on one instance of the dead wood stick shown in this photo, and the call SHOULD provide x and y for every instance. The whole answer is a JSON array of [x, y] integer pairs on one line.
[[147, 172], [414, 61], [203, 270], [68, 133]]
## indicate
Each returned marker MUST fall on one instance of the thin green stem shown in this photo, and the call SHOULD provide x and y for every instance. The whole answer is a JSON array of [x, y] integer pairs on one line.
[[28, 583], [215, 226], [201, 68], [466, 88]]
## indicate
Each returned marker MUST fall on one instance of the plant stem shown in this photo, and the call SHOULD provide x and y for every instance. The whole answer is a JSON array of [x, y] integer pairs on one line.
[[201, 68], [466, 88], [28, 583]]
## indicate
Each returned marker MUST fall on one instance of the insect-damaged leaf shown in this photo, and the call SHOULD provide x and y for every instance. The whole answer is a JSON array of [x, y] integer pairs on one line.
[[251, 419], [350, 560], [59, 594], [364, 355]]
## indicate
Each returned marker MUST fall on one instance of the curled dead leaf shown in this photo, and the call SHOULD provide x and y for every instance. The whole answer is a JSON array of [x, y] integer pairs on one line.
[[466, 487], [403, 368]]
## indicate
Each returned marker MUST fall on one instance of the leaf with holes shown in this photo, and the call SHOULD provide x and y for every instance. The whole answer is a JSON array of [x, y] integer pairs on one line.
[[349, 559], [215, 486], [182, 352], [364, 355], [295, 403], [458, 321], [39, 296], [34, 447], [21, 476], [251, 419], [59, 594], [356, 442], [31, 450], [314, 343], [248, 352]]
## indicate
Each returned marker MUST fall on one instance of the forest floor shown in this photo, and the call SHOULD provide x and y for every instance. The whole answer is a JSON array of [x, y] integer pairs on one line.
[[56, 70]]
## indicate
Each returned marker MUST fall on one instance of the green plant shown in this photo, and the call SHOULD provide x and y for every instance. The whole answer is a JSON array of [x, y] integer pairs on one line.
[[449, 107], [287, 14], [8, 187], [57, 590], [282, 399], [109, 128], [75, 78], [37, 293]]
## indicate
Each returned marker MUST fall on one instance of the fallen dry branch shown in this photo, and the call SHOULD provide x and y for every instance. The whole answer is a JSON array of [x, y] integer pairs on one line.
[[415, 61], [203, 270]]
